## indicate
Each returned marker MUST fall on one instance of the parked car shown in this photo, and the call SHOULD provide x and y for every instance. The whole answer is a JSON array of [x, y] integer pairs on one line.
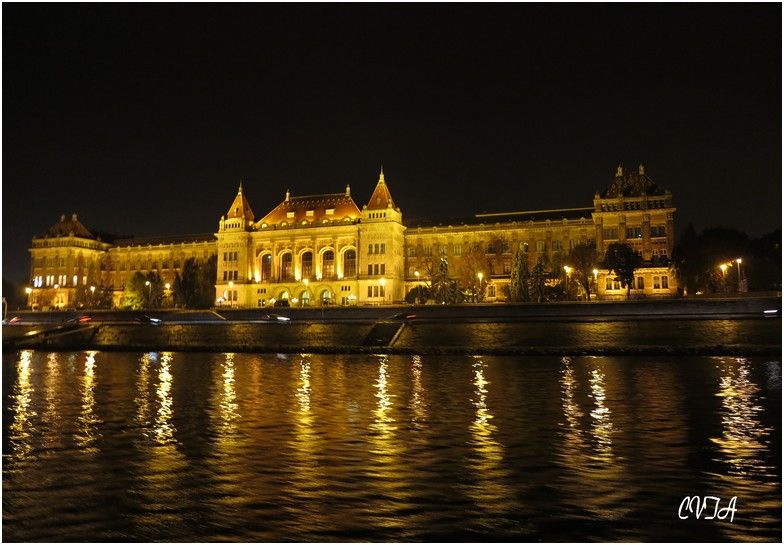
[[78, 320], [275, 318], [13, 320], [402, 317], [282, 303], [144, 319]]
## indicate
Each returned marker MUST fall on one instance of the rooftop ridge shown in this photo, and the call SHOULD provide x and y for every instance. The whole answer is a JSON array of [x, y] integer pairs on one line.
[[524, 212]]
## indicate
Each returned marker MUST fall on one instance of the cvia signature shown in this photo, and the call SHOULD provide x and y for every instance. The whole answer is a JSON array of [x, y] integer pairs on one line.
[[698, 506]]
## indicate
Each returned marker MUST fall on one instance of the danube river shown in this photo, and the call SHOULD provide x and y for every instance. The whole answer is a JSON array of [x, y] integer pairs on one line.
[[210, 447]]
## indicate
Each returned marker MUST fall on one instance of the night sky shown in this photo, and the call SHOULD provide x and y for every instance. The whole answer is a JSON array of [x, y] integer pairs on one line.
[[143, 118]]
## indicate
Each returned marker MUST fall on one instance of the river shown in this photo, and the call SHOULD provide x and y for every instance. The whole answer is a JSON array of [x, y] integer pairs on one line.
[[167, 446]]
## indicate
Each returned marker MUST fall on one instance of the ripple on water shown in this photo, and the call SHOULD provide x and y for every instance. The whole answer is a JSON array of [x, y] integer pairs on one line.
[[245, 447]]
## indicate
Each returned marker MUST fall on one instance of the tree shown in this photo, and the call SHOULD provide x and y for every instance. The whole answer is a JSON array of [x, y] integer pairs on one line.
[[519, 281], [444, 289], [538, 280], [582, 260], [143, 291], [418, 294], [195, 286], [622, 260]]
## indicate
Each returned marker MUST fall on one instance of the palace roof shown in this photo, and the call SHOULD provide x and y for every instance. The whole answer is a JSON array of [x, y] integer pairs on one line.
[[381, 197], [492, 218], [240, 208], [313, 208], [165, 240], [631, 184], [69, 228]]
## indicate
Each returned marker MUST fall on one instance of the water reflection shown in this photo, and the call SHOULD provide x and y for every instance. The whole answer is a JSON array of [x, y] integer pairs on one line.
[[602, 424], [489, 491], [228, 399], [21, 425], [744, 441], [418, 404], [142, 398], [571, 410], [88, 434], [164, 427]]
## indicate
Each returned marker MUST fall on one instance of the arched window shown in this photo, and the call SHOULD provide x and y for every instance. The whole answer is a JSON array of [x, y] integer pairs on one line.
[[285, 267], [266, 268], [349, 263], [328, 264], [307, 265]]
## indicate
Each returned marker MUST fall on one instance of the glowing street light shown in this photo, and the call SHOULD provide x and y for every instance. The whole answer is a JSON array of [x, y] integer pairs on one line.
[[383, 282], [28, 290], [167, 286], [306, 282], [740, 276], [723, 268]]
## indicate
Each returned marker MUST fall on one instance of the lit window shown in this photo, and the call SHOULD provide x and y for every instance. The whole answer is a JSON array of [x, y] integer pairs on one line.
[[330, 211], [665, 280], [289, 214], [309, 213]]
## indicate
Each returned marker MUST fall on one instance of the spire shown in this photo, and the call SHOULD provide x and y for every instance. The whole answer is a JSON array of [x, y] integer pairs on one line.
[[641, 169], [619, 171], [348, 190], [381, 197], [240, 208]]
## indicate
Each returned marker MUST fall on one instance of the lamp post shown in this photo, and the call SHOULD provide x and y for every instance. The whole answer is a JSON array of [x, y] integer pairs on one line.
[[740, 276], [92, 296], [28, 291], [480, 276], [596, 282], [568, 271], [231, 293], [306, 282], [383, 283], [149, 293]]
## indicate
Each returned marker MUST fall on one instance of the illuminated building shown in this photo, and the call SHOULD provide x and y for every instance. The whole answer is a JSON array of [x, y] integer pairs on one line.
[[318, 249]]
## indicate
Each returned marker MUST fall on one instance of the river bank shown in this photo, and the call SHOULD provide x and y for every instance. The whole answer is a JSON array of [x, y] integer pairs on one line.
[[747, 336]]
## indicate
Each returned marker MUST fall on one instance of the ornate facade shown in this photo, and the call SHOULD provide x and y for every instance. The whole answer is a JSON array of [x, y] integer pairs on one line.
[[319, 249]]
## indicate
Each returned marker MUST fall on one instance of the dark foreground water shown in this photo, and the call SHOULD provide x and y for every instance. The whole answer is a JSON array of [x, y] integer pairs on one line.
[[196, 447]]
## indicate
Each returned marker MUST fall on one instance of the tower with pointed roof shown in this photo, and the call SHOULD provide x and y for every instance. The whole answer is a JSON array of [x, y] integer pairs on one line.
[[382, 246], [234, 250]]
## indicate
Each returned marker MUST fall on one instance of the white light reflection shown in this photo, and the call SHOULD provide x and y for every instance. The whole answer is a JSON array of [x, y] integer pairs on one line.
[[164, 428], [744, 442], [21, 399], [490, 491], [228, 400], [602, 425], [88, 421], [418, 405]]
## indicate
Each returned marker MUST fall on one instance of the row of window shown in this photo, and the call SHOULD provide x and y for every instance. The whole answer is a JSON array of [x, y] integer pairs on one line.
[[375, 291], [376, 269], [286, 267], [230, 256], [499, 248], [377, 215], [611, 233], [633, 205], [376, 248], [61, 280], [230, 275], [659, 282]]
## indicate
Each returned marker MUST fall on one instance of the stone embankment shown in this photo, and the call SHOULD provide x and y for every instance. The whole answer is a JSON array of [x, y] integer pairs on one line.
[[720, 327]]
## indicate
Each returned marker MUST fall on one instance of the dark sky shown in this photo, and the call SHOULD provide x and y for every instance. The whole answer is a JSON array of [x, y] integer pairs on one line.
[[143, 118]]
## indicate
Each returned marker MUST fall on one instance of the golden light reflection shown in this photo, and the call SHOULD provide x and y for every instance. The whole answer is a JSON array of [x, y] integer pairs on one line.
[[571, 410], [418, 405], [490, 491], [744, 441], [88, 421], [163, 430], [228, 400], [142, 399], [386, 454], [22, 398], [51, 416], [601, 426]]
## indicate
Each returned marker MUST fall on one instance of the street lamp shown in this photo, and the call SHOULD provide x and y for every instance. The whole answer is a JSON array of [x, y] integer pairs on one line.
[[92, 295], [383, 283], [480, 276], [149, 292], [740, 276], [596, 281]]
